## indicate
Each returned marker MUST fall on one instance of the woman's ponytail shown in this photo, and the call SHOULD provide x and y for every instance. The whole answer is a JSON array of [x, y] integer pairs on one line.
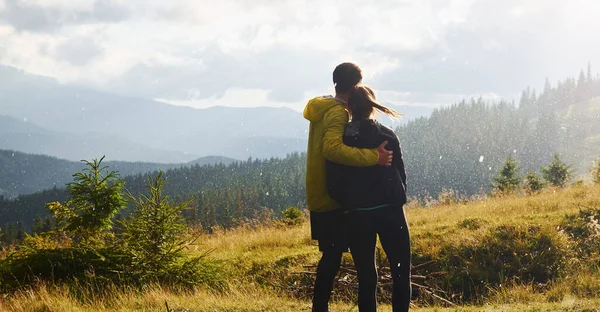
[[362, 102]]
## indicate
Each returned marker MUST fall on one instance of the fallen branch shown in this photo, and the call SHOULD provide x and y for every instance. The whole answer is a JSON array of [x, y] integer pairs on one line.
[[348, 282]]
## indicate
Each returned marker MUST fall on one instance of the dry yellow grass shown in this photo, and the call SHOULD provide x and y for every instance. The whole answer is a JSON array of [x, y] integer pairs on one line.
[[243, 299], [256, 261]]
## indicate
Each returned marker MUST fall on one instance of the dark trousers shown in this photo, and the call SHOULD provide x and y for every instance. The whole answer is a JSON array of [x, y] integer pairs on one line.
[[329, 228], [328, 267], [390, 224]]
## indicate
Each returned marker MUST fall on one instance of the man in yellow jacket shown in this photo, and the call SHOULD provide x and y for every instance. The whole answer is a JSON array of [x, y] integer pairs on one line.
[[328, 118]]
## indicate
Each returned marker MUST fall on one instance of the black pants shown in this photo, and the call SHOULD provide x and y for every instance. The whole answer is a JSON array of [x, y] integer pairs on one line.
[[390, 224], [329, 228], [328, 267]]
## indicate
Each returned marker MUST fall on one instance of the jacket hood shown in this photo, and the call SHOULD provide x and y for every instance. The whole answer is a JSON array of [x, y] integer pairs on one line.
[[317, 107]]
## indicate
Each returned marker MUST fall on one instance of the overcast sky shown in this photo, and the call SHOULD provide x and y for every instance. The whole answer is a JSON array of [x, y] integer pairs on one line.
[[282, 52]]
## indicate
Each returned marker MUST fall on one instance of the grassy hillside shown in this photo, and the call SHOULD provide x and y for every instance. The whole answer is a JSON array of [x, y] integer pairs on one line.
[[516, 253]]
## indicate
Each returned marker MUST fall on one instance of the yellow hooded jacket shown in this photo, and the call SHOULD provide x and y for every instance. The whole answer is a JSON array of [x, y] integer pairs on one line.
[[328, 119]]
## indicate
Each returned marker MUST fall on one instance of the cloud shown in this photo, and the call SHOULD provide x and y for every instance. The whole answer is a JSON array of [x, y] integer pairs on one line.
[[200, 51], [518, 45], [50, 16], [79, 51], [212, 72], [238, 97]]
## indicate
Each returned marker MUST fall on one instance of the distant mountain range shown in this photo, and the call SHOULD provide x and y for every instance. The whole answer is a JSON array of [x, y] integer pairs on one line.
[[27, 137], [40, 115], [22, 173], [137, 129]]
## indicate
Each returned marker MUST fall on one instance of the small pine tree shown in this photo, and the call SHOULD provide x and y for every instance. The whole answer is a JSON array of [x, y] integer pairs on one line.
[[20, 231], [292, 216], [38, 225], [507, 180], [153, 234], [96, 196], [533, 183], [10, 234], [595, 171], [557, 173]]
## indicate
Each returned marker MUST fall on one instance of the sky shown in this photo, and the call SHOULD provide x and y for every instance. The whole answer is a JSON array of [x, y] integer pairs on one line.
[[281, 53]]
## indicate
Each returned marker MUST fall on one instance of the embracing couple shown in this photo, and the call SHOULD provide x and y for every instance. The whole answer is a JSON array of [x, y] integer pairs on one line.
[[355, 190]]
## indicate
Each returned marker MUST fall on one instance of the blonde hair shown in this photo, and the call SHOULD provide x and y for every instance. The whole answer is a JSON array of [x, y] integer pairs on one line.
[[362, 104]]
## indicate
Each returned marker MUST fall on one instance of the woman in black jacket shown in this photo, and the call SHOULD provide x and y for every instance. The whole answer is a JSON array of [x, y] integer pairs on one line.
[[373, 199]]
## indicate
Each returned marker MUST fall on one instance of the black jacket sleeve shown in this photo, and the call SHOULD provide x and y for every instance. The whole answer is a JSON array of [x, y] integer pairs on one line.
[[398, 162]]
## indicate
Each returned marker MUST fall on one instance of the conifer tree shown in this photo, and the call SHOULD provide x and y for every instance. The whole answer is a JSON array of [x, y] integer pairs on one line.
[[525, 101], [557, 173], [507, 179], [533, 183], [96, 196], [10, 234], [20, 232], [153, 235], [38, 225]]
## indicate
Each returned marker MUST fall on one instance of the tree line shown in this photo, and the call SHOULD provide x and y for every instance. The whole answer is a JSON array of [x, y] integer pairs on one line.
[[220, 194], [462, 146]]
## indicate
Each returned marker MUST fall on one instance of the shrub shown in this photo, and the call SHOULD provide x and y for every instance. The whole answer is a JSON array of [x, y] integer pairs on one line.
[[533, 183], [292, 216], [557, 172], [505, 253], [448, 197], [471, 223], [584, 228], [57, 265]]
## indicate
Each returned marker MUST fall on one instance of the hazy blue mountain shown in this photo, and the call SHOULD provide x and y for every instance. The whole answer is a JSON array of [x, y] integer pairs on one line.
[[207, 160], [22, 173], [77, 110], [29, 138]]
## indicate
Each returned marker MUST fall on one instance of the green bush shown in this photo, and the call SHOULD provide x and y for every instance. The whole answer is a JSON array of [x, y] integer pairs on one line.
[[471, 223], [504, 253], [584, 229], [533, 183], [58, 265], [292, 216], [557, 173]]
